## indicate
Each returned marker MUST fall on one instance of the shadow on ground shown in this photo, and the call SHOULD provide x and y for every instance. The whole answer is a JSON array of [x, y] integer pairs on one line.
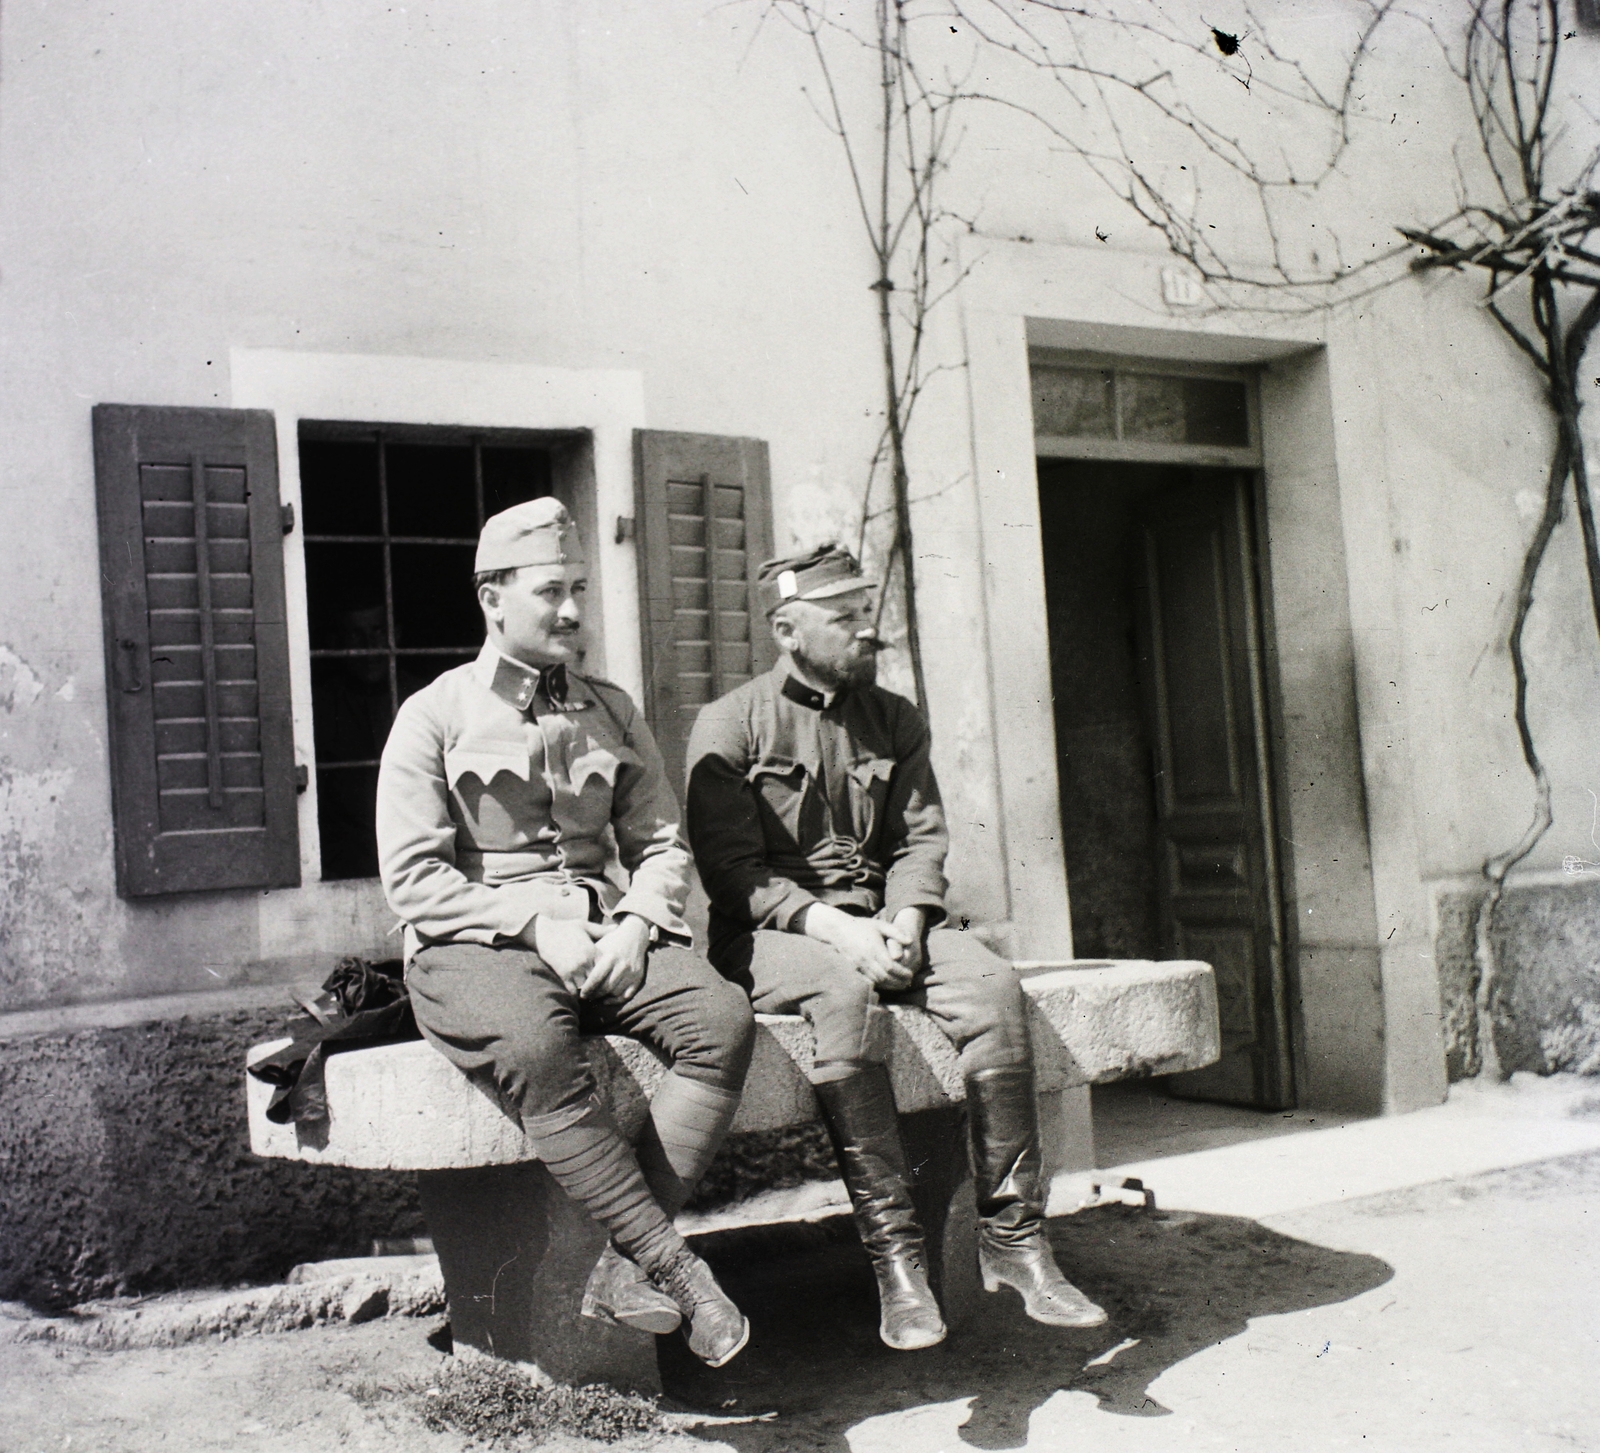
[[1176, 1282]]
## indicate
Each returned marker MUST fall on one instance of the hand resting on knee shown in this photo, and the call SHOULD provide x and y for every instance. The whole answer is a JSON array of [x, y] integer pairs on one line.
[[874, 949]]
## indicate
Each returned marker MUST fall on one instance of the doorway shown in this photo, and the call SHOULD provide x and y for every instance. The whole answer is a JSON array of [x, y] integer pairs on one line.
[[1153, 604]]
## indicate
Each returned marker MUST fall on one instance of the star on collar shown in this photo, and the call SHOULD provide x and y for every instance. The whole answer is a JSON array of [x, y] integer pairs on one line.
[[520, 685]]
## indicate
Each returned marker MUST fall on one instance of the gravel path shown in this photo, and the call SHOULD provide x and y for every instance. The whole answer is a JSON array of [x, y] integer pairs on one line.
[[1459, 1313]]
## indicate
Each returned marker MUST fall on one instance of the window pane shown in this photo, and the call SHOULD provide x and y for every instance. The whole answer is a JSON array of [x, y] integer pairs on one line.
[[1072, 401], [1179, 410], [1152, 408], [434, 603], [346, 808], [415, 672], [351, 709], [431, 490], [1216, 412], [339, 488], [344, 597], [511, 476]]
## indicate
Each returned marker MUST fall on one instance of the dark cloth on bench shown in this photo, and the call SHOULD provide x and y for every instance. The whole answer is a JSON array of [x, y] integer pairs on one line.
[[361, 1004]]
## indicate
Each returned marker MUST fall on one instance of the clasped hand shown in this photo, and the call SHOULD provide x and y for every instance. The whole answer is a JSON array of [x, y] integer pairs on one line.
[[887, 953], [595, 960]]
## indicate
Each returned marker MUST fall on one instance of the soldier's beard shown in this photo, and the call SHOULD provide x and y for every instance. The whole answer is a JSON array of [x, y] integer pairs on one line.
[[858, 666]]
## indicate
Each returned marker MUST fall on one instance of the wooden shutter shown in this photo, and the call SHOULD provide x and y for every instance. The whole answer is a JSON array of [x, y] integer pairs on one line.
[[704, 526], [197, 657]]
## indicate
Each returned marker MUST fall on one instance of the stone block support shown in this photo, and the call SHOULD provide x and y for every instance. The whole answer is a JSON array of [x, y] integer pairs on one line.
[[515, 1253]]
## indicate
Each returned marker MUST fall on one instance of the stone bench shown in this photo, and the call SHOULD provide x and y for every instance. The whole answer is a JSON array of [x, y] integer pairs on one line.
[[515, 1252]]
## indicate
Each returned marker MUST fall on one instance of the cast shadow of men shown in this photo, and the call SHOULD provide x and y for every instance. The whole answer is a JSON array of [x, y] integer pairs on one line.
[[1174, 1284]]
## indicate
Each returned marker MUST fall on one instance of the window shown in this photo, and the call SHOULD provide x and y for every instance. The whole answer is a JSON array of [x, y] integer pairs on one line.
[[391, 520], [1139, 413]]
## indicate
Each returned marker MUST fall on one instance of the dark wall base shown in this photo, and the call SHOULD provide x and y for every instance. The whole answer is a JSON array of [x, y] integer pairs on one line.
[[125, 1168], [1547, 1006]]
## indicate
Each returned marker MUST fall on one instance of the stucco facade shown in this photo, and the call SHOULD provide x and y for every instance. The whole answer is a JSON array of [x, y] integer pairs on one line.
[[603, 218]]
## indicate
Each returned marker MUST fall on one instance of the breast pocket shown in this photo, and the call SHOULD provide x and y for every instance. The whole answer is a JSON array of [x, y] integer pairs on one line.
[[780, 786], [488, 810], [869, 792], [601, 763], [484, 762]]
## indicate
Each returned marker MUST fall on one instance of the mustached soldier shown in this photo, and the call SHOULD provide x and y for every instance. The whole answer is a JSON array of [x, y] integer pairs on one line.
[[498, 781], [818, 832]]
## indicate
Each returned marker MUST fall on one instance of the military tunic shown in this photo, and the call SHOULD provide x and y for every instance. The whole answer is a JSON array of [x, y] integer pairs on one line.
[[795, 798], [495, 796]]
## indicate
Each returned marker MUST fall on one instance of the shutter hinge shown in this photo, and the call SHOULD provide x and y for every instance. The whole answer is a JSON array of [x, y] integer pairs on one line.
[[624, 528], [288, 519], [133, 684], [302, 777]]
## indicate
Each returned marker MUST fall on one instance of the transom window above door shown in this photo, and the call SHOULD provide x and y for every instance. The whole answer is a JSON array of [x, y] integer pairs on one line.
[[391, 519], [1094, 410]]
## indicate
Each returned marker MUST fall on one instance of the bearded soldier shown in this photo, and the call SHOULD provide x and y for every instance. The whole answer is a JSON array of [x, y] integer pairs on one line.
[[818, 832], [498, 782]]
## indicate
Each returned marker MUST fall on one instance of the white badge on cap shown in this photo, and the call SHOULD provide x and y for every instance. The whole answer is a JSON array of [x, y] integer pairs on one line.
[[787, 588]]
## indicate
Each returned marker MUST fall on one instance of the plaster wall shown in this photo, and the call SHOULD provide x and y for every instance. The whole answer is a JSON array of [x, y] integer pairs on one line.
[[188, 191], [524, 196]]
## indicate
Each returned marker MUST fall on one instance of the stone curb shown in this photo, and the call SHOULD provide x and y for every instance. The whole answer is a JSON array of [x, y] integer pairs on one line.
[[348, 1290], [308, 1299]]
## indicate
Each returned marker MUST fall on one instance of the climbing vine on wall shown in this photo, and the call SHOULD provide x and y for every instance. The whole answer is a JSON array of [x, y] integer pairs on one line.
[[1121, 88], [1533, 233]]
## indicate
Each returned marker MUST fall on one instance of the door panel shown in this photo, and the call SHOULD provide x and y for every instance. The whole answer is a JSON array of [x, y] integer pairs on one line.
[[1201, 673]]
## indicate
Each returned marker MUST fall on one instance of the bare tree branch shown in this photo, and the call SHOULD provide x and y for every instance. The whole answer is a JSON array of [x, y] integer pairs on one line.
[[1067, 67]]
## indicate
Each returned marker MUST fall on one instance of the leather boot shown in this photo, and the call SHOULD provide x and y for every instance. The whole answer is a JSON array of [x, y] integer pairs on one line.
[[588, 1158], [618, 1291], [687, 1123], [714, 1328], [860, 1117], [1007, 1177]]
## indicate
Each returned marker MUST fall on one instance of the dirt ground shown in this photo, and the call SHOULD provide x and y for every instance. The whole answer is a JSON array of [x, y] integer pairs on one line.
[[1464, 1313]]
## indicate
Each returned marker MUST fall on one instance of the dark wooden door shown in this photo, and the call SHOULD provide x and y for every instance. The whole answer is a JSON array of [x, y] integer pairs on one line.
[[1198, 620]]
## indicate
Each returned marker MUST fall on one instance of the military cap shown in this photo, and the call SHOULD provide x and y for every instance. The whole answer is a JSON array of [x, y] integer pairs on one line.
[[539, 532], [828, 570]]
